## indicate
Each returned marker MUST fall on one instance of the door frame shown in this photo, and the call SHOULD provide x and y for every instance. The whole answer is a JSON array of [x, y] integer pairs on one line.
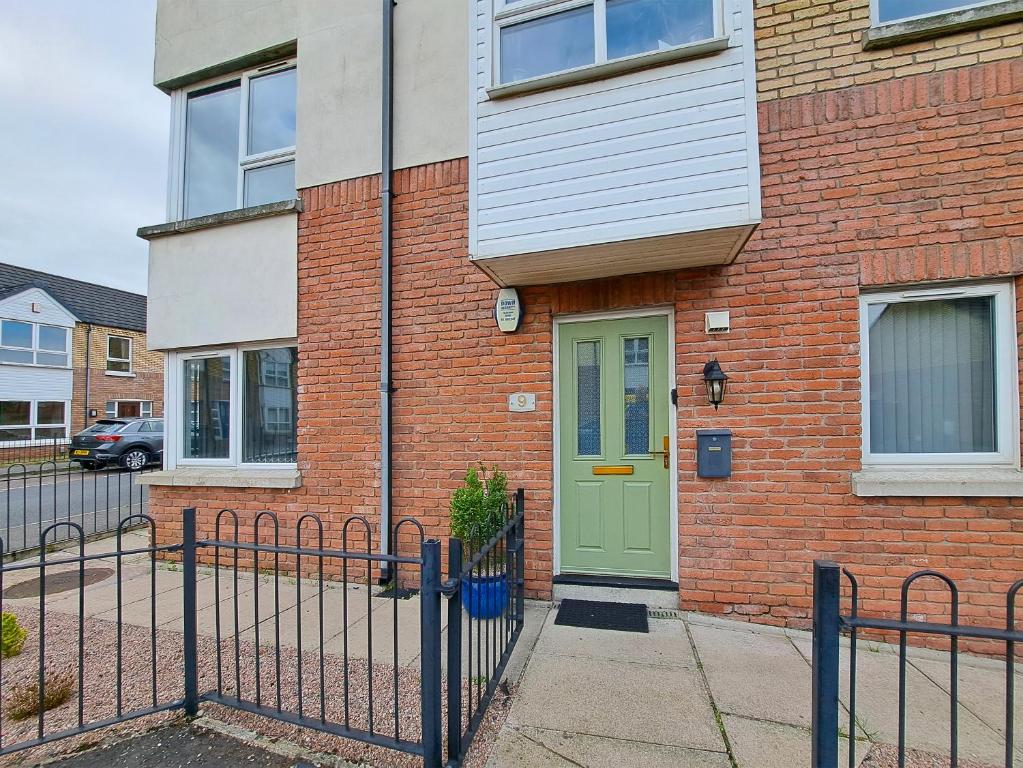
[[559, 320]]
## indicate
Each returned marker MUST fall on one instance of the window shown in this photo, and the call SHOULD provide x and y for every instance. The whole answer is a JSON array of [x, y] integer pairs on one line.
[[239, 406], [118, 354], [887, 11], [239, 142], [33, 344], [940, 382], [129, 409], [33, 420], [536, 39]]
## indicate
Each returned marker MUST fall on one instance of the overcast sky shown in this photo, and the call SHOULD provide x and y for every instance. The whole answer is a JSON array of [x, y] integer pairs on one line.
[[83, 137]]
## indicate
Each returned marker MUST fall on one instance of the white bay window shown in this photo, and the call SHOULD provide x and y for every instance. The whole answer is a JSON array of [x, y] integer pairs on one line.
[[940, 383], [540, 38]]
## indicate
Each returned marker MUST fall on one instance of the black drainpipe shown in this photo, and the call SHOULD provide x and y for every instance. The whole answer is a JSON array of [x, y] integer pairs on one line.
[[88, 372], [386, 168]]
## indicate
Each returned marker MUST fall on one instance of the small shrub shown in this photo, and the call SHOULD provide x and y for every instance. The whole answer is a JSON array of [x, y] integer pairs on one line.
[[24, 699], [479, 507], [12, 636]]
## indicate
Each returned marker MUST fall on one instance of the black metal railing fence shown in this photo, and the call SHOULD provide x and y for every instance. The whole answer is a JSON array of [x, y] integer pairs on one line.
[[350, 672], [35, 497], [829, 624], [53, 449]]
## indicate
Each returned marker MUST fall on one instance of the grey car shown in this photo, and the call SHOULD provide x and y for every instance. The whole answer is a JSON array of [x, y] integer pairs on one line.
[[130, 443]]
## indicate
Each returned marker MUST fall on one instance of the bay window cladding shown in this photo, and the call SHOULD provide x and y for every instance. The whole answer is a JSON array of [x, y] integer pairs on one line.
[[887, 11], [940, 376], [262, 402], [542, 38], [239, 142], [33, 420], [33, 343]]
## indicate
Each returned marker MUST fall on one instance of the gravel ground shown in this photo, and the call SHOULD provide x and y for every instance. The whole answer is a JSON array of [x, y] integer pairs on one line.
[[887, 756], [99, 686]]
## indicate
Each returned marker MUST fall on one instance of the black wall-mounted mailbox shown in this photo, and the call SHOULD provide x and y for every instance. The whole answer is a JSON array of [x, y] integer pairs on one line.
[[714, 452]]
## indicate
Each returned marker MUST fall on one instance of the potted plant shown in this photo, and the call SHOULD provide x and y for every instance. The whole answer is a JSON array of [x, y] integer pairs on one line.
[[478, 513]]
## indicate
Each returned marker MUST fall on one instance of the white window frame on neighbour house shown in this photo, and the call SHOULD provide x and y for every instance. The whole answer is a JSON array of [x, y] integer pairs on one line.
[[145, 408], [35, 349], [246, 162], [1006, 384], [875, 12], [128, 360], [34, 423], [174, 407], [509, 13]]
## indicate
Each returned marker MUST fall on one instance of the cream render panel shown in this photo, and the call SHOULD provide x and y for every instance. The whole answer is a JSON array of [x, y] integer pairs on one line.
[[338, 45], [224, 285]]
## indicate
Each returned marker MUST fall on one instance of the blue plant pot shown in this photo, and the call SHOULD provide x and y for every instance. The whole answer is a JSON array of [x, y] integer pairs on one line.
[[485, 597]]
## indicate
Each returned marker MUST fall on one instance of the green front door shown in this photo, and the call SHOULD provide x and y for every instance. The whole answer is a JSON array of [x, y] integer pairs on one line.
[[614, 475]]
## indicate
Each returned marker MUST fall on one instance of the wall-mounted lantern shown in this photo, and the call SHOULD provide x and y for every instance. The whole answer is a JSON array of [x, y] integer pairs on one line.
[[716, 382]]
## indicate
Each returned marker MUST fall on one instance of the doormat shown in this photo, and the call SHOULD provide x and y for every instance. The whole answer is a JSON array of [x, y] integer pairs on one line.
[[620, 617]]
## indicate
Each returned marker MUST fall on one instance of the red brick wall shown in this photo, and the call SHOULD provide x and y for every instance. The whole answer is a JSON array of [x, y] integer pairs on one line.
[[905, 181]]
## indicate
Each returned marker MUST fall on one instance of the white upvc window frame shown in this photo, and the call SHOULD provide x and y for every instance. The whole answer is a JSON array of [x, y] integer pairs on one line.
[[875, 12], [174, 407], [144, 405], [1007, 419], [129, 360], [179, 115], [507, 14], [35, 349], [33, 425]]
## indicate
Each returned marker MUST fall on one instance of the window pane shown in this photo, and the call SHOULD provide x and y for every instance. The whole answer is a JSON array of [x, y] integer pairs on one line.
[[119, 366], [932, 376], [111, 409], [119, 347], [211, 151], [16, 356], [147, 408], [272, 112], [52, 338], [271, 405], [639, 26], [51, 358], [15, 413], [207, 408], [49, 413], [890, 10], [637, 395], [15, 334], [549, 44], [270, 184], [587, 362], [50, 433], [15, 434]]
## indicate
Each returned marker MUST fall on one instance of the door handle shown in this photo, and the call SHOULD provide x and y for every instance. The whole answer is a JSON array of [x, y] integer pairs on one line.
[[666, 453]]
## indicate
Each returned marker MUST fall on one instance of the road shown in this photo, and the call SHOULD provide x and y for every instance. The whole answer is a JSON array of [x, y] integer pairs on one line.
[[97, 501]]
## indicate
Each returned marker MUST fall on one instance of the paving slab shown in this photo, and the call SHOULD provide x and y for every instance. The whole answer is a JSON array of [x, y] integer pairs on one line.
[[667, 644], [528, 746], [762, 744], [756, 675], [640, 702]]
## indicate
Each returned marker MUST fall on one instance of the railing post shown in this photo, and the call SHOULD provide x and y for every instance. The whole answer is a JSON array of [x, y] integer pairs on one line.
[[520, 558], [454, 650], [189, 619], [429, 603], [826, 596]]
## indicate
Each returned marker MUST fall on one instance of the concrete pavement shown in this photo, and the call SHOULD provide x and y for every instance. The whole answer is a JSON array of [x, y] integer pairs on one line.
[[704, 692]]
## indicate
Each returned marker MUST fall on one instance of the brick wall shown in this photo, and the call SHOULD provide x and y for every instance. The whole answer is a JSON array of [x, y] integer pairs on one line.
[[145, 384], [883, 183], [806, 46]]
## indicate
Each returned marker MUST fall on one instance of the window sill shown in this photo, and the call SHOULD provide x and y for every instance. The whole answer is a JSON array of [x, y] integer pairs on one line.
[[120, 374], [224, 477], [899, 32], [938, 481], [610, 68], [220, 219]]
